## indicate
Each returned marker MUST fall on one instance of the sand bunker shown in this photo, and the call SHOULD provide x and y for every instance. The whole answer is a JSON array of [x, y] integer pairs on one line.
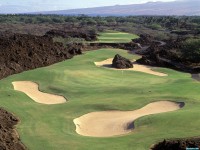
[[31, 89], [136, 67], [112, 123]]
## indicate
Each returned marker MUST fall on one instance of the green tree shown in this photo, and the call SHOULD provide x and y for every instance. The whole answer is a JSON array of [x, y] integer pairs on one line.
[[191, 50]]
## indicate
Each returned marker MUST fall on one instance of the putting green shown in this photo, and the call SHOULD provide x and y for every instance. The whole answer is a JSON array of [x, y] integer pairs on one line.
[[89, 88], [115, 37]]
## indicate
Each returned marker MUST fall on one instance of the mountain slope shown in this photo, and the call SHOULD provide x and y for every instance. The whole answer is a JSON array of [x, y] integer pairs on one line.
[[186, 7]]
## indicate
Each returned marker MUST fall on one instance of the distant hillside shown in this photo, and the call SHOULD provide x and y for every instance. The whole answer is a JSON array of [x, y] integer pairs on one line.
[[180, 7]]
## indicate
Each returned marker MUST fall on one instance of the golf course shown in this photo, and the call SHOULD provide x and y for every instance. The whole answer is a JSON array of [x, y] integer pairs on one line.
[[155, 103]]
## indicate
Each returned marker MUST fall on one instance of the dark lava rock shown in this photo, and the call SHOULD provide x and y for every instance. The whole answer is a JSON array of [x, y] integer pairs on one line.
[[180, 144], [57, 33], [144, 39], [9, 139], [20, 52], [87, 35], [170, 56], [120, 62]]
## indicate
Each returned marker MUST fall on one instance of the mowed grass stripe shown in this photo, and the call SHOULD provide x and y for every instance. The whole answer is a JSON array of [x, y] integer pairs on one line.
[[115, 37]]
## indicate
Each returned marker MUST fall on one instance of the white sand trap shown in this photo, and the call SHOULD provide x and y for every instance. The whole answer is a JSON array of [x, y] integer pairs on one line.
[[31, 89], [136, 67], [112, 123]]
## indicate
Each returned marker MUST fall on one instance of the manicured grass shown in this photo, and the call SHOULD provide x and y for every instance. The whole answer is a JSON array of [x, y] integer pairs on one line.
[[89, 88], [115, 37]]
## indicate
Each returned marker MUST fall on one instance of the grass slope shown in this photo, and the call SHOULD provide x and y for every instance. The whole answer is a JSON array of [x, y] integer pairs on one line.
[[89, 88], [115, 37]]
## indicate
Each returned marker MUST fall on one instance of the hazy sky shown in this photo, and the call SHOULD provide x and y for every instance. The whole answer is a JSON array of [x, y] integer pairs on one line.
[[45, 5]]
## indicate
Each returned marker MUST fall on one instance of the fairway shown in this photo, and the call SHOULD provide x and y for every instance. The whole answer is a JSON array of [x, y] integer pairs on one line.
[[115, 37], [88, 89]]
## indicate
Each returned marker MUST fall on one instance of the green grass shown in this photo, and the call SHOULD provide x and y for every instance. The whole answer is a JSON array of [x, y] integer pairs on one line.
[[115, 37], [89, 88], [109, 36]]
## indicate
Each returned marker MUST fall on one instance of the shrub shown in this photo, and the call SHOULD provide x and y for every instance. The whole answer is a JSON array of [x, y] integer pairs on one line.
[[155, 26], [191, 50]]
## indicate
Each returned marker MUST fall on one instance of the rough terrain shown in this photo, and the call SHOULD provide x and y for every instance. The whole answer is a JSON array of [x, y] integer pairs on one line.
[[87, 35], [167, 54], [20, 52], [180, 144], [9, 139]]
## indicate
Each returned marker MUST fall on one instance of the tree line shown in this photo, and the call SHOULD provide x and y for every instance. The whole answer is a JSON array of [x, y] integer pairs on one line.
[[154, 22]]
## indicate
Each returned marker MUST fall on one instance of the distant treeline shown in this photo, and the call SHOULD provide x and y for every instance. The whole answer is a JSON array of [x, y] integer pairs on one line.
[[156, 22]]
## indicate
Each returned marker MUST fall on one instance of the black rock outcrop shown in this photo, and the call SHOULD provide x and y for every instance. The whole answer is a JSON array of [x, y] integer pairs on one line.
[[87, 35], [9, 139], [181, 144], [20, 52], [169, 55], [120, 62]]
